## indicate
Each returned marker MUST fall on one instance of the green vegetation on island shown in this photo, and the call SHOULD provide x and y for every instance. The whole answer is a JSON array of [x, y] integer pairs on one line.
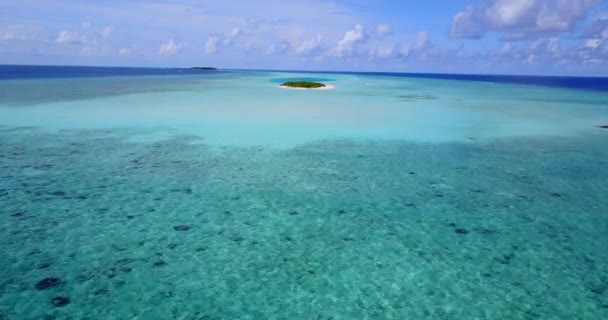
[[205, 68], [303, 84]]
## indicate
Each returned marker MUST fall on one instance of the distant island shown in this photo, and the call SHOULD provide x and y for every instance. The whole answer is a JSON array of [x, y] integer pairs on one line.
[[205, 68], [303, 85], [603, 127]]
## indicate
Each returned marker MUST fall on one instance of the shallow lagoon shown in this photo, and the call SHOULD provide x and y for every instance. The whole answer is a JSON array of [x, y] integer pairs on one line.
[[386, 198]]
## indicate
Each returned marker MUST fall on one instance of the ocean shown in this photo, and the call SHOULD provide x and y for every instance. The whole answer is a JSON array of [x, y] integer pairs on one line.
[[134, 193]]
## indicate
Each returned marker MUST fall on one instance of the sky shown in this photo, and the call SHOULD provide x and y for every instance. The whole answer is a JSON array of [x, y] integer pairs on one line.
[[545, 37]]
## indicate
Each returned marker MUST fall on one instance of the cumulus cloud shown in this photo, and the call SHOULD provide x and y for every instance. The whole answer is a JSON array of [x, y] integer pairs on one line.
[[87, 36], [383, 52], [466, 24], [347, 47], [423, 40], [520, 19], [232, 35], [596, 37], [280, 47], [70, 37], [507, 48], [211, 45], [596, 42], [125, 51], [18, 32], [170, 48], [309, 47], [546, 46], [384, 30], [106, 32], [420, 46], [87, 51], [548, 53], [598, 29]]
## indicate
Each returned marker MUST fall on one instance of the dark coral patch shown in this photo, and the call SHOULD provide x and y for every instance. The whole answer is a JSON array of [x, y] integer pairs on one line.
[[461, 231], [60, 301], [101, 292], [18, 214], [182, 227], [600, 289], [184, 190], [48, 283], [160, 263]]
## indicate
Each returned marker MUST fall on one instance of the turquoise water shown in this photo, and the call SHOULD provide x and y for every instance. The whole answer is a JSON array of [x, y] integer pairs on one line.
[[224, 197]]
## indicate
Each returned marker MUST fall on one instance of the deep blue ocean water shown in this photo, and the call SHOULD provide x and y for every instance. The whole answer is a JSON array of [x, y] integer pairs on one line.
[[131, 193], [45, 72], [34, 72]]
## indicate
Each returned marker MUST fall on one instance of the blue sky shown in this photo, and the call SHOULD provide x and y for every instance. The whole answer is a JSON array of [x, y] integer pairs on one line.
[[563, 37]]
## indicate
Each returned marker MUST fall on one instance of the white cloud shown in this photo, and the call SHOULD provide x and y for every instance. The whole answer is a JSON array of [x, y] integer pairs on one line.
[[592, 43], [420, 47], [383, 53], [546, 46], [125, 51], [87, 51], [88, 36], [507, 48], [598, 29], [170, 48], [595, 47], [281, 47], [211, 45], [106, 32], [70, 37], [17, 32], [384, 30], [405, 51], [86, 25], [347, 47], [520, 19], [309, 46], [422, 40], [465, 24], [232, 35]]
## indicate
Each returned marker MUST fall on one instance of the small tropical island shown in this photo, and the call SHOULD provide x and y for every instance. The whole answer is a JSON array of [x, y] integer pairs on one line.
[[603, 127], [205, 68], [305, 85]]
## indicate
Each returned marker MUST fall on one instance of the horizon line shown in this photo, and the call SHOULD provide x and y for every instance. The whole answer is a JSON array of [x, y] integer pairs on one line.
[[313, 71]]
